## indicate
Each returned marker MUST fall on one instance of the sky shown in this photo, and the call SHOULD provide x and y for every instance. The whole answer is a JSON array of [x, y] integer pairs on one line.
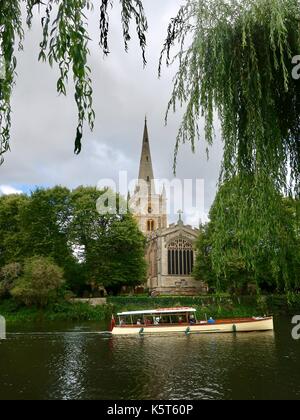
[[44, 124]]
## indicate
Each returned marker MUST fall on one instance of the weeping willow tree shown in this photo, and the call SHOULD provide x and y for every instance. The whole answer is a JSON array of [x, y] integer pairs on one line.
[[236, 63], [65, 42]]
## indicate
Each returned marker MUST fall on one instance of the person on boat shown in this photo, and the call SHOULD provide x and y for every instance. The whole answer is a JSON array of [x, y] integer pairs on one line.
[[192, 320], [211, 321], [139, 322], [156, 321], [180, 320]]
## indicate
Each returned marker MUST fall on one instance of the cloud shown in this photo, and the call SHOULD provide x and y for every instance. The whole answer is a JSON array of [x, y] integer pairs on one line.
[[7, 190]]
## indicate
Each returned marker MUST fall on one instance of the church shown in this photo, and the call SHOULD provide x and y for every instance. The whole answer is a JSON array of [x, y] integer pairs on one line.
[[170, 250]]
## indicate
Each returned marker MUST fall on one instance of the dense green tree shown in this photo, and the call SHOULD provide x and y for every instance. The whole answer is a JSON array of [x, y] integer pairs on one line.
[[110, 245], [40, 283], [236, 63], [12, 240], [8, 275], [122, 251], [235, 279], [276, 254], [45, 223], [90, 247]]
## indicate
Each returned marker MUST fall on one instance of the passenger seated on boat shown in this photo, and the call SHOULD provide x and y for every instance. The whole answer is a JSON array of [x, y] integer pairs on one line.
[[156, 321], [148, 322], [122, 322], [211, 321], [192, 320], [180, 320], [139, 322]]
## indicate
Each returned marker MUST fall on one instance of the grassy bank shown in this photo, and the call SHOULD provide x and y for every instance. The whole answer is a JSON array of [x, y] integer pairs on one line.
[[217, 307], [62, 311]]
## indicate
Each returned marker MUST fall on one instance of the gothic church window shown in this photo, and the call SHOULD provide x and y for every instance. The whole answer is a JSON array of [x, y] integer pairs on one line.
[[180, 258], [150, 226]]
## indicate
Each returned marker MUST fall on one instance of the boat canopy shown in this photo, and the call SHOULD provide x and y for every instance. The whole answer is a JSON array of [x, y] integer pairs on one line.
[[162, 311]]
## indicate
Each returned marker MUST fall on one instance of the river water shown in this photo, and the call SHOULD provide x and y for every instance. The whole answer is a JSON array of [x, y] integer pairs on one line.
[[67, 361]]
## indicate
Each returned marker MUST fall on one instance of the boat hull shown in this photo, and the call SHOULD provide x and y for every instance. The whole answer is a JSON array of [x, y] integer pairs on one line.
[[225, 326]]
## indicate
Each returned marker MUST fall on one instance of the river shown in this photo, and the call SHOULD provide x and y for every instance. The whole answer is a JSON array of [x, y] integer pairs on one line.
[[67, 361]]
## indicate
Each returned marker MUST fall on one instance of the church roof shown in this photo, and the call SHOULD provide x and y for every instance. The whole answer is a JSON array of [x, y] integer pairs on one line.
[[175, 230]]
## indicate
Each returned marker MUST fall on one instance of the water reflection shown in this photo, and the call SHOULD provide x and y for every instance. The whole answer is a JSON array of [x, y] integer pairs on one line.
[[75, 364], [205, 366], [68, 368]]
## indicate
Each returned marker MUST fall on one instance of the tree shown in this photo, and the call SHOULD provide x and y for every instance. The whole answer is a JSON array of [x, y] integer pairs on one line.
[[276, 254], [236, 61], [38, 225], [40, 282], [8, 276], [91, 248], [236, 277], [65, 41], [122, 251], [45, 223], [12, 238], [110, 245]]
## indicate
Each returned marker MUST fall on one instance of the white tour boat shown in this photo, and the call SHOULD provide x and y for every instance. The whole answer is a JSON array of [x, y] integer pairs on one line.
[[182, 320]]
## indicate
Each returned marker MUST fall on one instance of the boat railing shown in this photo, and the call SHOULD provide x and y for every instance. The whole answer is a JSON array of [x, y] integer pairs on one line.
[[176, 324]]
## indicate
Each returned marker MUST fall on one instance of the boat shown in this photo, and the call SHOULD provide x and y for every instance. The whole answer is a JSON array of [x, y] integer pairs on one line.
[[182, 320]]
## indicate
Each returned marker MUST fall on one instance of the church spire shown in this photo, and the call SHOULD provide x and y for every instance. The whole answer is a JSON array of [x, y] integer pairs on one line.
[[146, 169]]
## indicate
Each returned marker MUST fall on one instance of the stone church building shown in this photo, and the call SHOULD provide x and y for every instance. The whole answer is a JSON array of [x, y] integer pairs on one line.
[[171, 248]]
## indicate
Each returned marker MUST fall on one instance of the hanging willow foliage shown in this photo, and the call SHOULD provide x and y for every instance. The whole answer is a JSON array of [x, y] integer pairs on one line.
[[65, 42], [10, 31], [235, 61]]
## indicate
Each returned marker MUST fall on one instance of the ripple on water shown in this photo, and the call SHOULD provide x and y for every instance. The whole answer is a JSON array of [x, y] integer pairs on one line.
[[77, 363]]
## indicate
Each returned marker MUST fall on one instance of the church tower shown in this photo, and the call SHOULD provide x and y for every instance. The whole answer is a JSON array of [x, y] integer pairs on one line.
[[149, 208], [170, 252]]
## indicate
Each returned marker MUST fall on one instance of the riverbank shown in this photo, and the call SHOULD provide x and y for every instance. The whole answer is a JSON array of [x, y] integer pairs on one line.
[[215, 306], [62, 311]]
